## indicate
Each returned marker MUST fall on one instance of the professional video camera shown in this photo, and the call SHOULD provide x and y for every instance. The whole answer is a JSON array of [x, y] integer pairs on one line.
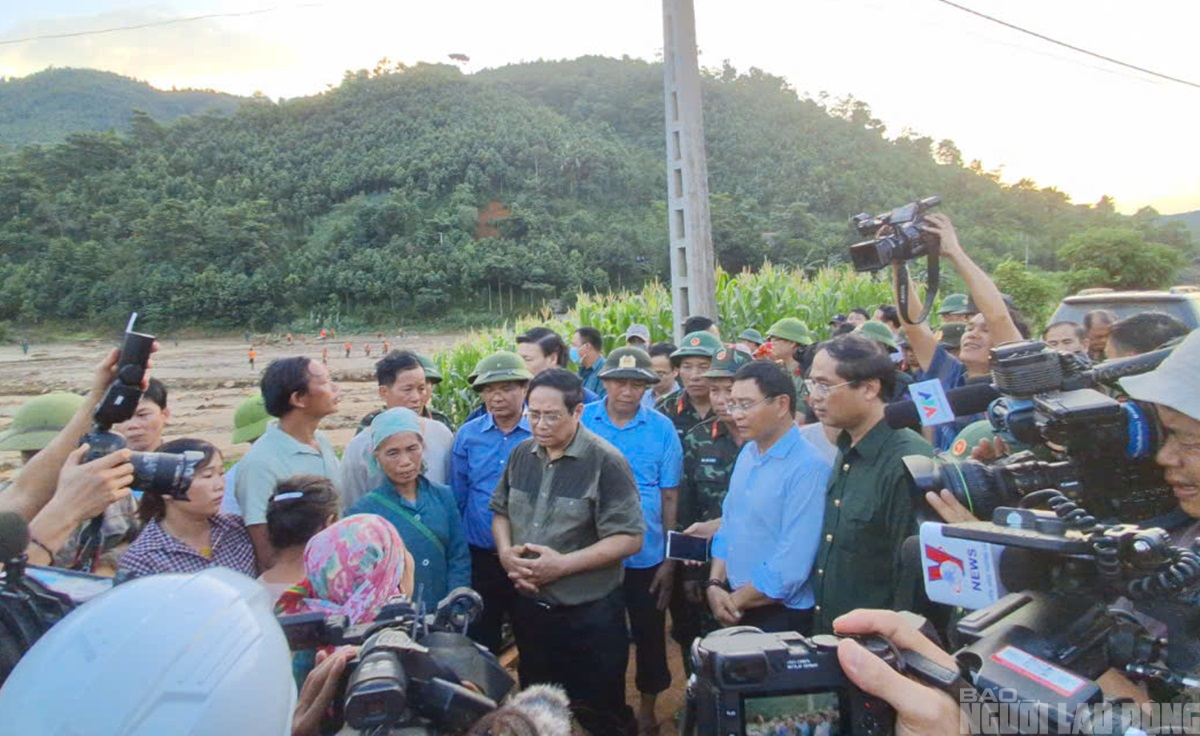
[[411, 668], [1049, 398], [904, 241], [165, 474], [1072, 599], [32, 598]]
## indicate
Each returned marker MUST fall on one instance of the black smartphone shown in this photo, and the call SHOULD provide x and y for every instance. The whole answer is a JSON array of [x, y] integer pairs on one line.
[[685, 547]]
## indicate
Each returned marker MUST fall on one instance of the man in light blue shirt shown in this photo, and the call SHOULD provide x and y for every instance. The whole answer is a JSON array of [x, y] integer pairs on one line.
[[771, 517], [648, 441], [480, 453]]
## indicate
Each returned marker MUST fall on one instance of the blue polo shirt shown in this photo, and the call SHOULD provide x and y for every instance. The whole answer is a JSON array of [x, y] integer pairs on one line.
[[591, 377], [481, 451], [771, 519], [650, 444]]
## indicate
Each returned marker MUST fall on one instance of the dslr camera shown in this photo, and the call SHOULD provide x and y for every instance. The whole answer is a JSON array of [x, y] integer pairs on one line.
[[905, 242], [162, 473]]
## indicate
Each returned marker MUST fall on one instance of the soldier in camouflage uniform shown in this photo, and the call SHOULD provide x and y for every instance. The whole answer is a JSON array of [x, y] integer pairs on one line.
[[709, 451], [688, 406], [432, 379]]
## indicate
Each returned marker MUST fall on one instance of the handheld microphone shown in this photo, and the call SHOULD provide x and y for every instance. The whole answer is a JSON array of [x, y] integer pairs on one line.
[[973, 574], [965, 400]]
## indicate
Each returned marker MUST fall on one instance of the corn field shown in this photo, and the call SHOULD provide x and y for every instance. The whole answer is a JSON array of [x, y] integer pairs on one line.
[[748, 299]]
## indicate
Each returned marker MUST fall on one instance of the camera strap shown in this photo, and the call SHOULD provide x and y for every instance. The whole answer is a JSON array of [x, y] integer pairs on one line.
[[411, 518], [932, 282]]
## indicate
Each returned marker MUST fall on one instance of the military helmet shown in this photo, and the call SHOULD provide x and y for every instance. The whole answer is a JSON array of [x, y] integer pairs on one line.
[[431, 371], [954, 304], [790, 328], [251, 418], [951, 334], [726, 363], [700, 344], [629, 362], [38, 420], [499, 368], [879, 332]]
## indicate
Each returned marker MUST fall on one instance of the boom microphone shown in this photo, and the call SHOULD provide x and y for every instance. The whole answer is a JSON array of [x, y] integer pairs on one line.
[[970, 399]]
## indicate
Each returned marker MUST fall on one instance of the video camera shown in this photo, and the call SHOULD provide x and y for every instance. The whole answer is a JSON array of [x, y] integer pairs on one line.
[[1072, 599], [904, 241], [1049, 398], [165, 474], [410, 669]]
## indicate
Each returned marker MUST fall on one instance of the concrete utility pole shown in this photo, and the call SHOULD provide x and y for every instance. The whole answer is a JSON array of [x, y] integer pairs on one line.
[[693, 275]]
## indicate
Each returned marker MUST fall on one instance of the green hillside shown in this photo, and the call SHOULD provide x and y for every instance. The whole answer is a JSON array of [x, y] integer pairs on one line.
[[48, 106], [420, 192]]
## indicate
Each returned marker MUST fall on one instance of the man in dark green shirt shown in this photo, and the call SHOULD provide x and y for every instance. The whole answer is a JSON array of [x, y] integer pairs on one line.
[[869, 503], [567, 514]]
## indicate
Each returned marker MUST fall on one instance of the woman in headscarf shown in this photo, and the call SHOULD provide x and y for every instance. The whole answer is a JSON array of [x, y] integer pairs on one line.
[[423, 512]]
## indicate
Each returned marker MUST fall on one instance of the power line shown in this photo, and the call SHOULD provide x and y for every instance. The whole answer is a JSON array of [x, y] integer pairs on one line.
[[1048, 39], [157, 23]]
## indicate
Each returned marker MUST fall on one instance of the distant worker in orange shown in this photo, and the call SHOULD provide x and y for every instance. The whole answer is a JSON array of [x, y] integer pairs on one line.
[[368, 349], [324, 334], [325, 356], [347, 348], [289, 338], [252, 356], [387, 347]]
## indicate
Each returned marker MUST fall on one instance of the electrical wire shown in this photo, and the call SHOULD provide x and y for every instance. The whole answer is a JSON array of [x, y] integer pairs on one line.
[[1072, 47]]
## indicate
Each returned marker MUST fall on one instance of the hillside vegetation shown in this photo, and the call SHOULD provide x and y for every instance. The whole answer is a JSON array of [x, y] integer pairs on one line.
[[410, 193]]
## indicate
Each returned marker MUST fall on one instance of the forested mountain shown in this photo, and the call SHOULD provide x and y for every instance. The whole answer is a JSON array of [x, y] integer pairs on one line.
[[409, 192], [48, 106], [1190, 219]]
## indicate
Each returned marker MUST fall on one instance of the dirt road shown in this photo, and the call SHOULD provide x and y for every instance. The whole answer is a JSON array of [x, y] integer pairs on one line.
[[206, 379]]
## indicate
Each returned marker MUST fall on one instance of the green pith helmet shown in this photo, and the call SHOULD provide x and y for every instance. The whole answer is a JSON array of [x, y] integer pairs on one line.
[[954, 304], [251, 419], [629, 362], [790, 328], [969, 438], [431, 371], [951, 334], [726, 363], [752, 335], [699, 344], [37, 421], [499, 368], [879, 332]]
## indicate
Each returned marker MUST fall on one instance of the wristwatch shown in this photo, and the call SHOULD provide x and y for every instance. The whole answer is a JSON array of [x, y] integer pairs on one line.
[[714, 583]]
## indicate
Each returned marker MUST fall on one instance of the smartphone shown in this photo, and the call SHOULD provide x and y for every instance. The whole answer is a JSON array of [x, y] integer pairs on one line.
[[686, 547]]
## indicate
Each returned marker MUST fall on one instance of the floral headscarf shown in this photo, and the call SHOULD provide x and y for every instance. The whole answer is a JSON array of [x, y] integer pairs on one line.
[[351, 567]]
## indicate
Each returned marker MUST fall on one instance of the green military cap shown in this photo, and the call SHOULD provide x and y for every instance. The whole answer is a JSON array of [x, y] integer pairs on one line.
[[431, 371], [37, 421], [699, 344], [879, 332], [752, 335], [500, 367], [790, 328], [726, 363], [954, 304], [250, 419], [629, 362], [951, 334]]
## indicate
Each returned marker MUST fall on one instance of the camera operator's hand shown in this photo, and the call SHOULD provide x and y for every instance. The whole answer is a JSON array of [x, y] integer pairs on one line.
[[990, 449], [723, 608], [938, 224], [87, 489], [319, 689], [105, 372], [948, 507], [920, 710]]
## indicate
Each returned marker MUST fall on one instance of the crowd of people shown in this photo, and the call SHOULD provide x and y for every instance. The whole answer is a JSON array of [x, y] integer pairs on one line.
[[555, 498]]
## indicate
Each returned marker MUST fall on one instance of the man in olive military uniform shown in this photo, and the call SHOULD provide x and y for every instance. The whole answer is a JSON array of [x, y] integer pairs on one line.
[[709, 451], [688, 406], [956, 308], [786, 335]]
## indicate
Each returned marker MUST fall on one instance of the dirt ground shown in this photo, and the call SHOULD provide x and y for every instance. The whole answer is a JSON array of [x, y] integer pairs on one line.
[[206, 379]]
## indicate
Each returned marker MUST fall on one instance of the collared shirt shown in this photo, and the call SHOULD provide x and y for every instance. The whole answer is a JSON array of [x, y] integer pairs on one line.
[[275, 456], [480, 410], [678, 407], [868, 514], [156, 551], [360, 474], [229, 504], [441, 566], [481, 451], [569, 504], [771, 519], [591, 377], [951, 373], [649, 443]]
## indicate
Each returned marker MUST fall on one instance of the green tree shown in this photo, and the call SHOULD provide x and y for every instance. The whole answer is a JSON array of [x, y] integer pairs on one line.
[[1119, 258]]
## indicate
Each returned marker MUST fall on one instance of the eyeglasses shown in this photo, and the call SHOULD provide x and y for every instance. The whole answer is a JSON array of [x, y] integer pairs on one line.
[[744, 407], [549, 419], [822, 389]]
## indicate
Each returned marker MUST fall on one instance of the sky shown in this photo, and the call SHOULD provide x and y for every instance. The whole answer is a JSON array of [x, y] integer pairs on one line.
[[1022, 106]]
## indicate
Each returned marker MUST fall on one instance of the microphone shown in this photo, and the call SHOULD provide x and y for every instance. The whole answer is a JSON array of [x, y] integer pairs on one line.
[[970, 573], [14, 536], [970, 399]]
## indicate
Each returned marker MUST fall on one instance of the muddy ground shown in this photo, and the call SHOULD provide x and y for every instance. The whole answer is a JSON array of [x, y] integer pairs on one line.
[[206, 379]]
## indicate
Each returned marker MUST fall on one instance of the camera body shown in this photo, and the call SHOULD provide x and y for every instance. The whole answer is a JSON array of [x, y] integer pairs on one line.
[[165, 474], [905, 242], [745, 680]]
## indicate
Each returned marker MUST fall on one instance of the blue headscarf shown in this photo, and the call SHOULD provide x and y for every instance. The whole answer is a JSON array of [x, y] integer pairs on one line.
[[393, 421]]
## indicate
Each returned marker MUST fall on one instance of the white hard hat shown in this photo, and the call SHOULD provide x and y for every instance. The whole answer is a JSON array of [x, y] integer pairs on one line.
[[164, 654]]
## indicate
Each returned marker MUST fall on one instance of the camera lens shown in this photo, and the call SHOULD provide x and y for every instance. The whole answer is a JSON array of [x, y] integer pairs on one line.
[[980, 488], [164, 473]]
